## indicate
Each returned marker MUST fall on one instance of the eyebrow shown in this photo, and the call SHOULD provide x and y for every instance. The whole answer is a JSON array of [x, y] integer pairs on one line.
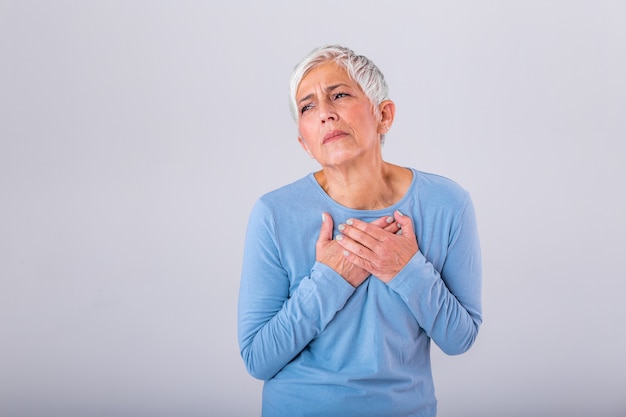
[[328, 89]]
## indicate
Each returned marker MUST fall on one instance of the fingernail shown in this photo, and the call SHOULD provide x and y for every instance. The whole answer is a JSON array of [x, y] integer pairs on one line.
[[389, 219], [399, 232], [323, 217], [399, 212], [349, 221], [346, 253], [339, 237], [341, 227]]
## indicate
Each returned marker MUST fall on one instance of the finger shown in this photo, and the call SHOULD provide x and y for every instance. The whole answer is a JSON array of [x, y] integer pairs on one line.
[[326, 228], [394, 227], [405, 223], [383, 222], [358, 248], [387, 223], [364, 232], [357, 260]]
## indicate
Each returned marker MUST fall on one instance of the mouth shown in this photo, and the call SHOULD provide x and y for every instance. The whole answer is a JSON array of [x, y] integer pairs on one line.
[[333, 136]]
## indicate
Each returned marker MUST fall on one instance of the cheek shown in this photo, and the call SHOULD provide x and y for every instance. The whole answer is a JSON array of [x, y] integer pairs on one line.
[[304, 142], [306, 132]]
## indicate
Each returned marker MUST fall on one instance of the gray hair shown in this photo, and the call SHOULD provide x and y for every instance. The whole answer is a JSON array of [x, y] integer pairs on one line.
[[359, 68]]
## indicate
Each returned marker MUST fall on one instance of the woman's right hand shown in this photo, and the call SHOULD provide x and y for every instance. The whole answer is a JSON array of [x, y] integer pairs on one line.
[[329, 252]]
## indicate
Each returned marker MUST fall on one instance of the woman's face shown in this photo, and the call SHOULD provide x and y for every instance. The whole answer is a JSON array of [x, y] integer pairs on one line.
[[336, 120]]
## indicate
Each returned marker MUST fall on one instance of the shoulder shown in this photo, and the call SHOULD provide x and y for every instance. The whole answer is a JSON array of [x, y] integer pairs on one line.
[[279, 201], [289, 193], [438, 188], [286, 208], [437, 199]]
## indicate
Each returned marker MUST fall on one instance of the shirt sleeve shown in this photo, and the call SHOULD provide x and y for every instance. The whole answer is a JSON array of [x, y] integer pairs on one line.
[[447, 303], [274, 325]]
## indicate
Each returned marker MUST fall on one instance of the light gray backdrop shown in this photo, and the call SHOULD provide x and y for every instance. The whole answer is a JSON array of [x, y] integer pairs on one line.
[[136, 135]]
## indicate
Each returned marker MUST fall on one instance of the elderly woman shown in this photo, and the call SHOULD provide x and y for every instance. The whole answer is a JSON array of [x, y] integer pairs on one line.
[[350, 272]]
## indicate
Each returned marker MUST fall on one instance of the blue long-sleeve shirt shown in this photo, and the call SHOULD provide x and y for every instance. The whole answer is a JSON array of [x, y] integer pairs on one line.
[[325, 348]]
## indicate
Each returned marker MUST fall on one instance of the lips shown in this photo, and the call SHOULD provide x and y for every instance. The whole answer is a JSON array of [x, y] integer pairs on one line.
[[333, 136]]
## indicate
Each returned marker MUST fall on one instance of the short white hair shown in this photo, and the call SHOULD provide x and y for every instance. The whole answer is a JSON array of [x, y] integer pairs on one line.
[[360, 69]]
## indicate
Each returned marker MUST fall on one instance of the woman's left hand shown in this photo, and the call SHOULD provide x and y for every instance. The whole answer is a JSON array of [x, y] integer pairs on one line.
[[376, 250]]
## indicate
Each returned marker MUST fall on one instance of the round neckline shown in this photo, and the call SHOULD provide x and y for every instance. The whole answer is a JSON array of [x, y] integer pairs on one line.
[[381, 211]]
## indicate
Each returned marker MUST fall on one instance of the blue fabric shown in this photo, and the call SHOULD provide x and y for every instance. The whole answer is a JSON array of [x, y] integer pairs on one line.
[[325, 348]]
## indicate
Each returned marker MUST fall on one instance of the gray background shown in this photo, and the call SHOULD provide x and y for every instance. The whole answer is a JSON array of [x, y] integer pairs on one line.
[[136, 135]]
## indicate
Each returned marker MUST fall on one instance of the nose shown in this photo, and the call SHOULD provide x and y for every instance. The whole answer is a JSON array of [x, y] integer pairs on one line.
[[326, 111]]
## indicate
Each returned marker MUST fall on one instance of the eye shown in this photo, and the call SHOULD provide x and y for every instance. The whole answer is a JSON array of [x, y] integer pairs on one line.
[[305, 108], [339, 95]]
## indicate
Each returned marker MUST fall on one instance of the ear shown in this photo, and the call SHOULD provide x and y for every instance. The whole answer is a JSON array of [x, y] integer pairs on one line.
[[387, 111], [305, 146]]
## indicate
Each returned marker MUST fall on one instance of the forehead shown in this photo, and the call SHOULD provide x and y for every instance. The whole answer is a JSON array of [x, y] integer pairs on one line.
[[324, 75]]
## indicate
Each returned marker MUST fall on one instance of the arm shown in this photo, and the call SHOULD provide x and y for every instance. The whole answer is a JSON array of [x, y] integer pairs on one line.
[[446, 305], [273, 325]]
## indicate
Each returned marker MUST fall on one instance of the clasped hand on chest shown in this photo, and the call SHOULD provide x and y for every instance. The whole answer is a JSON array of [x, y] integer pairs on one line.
[[380, 248]]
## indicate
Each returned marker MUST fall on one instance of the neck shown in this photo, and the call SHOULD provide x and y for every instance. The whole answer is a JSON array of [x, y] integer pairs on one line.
[[368, 188]]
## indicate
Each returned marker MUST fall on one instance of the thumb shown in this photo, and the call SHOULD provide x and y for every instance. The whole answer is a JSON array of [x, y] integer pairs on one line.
[[406, 225], [326, 229]]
